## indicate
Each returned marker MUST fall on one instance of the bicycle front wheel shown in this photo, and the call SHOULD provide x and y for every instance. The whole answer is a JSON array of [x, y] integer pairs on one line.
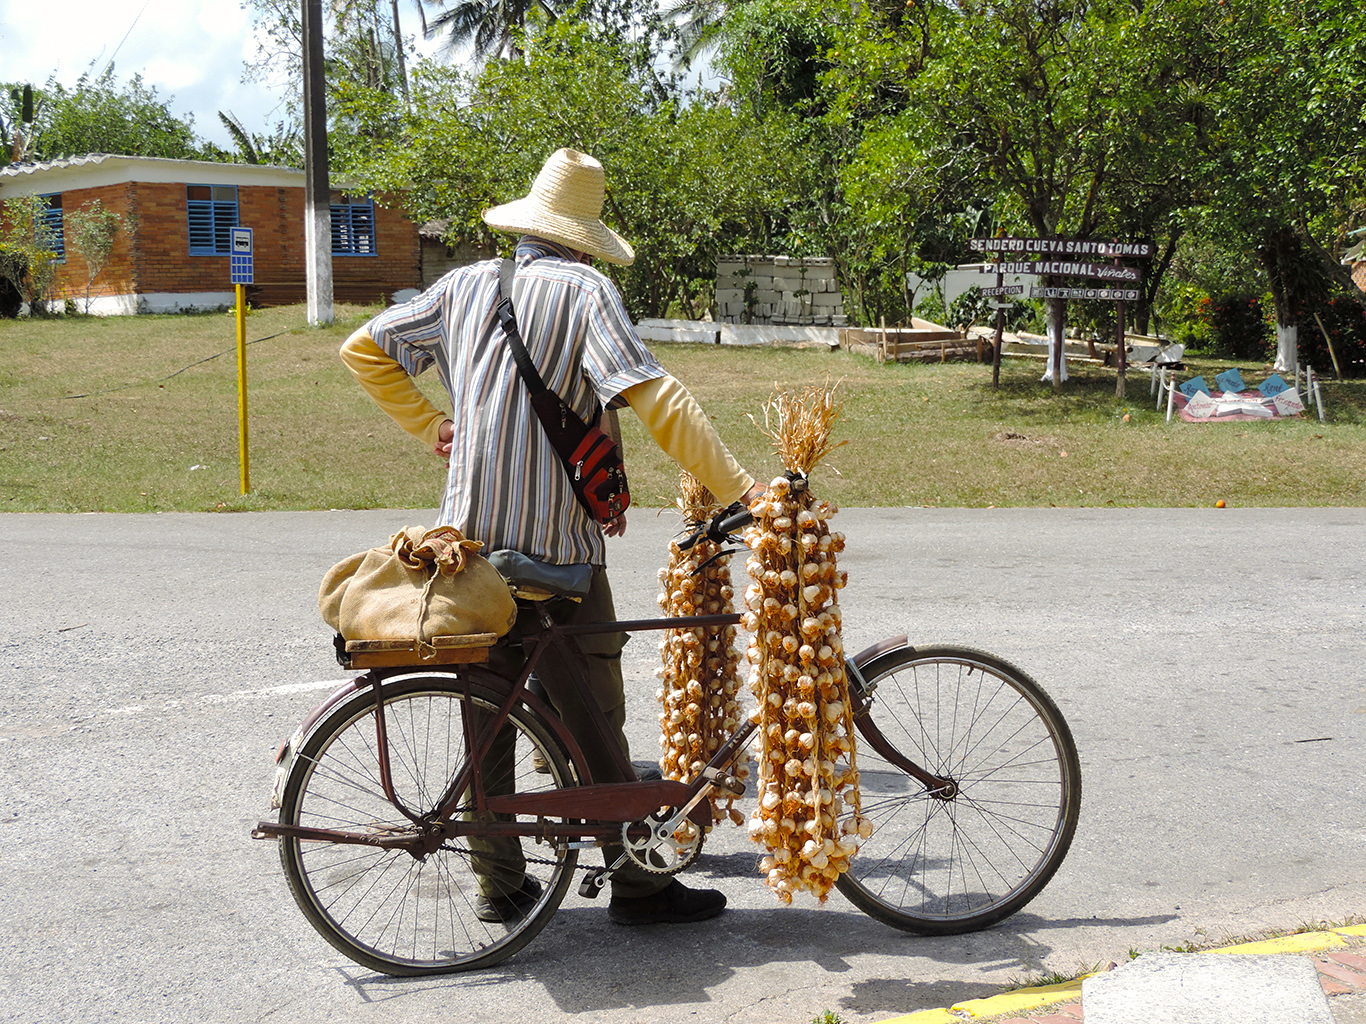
[[958, 858], [387, 909]]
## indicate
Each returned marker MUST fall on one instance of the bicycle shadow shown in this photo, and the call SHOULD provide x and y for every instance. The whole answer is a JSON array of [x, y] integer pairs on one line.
[[584, 964]]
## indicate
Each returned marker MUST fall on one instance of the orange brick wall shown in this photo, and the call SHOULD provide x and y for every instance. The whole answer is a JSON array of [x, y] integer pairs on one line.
[[152, 248], [116, 277]]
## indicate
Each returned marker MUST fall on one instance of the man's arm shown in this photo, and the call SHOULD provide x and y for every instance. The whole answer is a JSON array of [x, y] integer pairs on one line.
[[681, 428], [393, 390]]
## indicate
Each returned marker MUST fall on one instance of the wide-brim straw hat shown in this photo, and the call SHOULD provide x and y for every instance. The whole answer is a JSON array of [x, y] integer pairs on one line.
[[565, 206]]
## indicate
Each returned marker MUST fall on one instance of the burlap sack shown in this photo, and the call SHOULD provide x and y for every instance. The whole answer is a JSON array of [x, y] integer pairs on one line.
[[426, 583]]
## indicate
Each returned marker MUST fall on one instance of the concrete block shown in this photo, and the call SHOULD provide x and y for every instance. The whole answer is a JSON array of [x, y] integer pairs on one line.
[[1199, 988], [725, 295], [782, 261]]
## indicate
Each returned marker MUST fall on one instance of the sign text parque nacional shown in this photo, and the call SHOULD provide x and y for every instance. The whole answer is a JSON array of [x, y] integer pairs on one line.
[[1066, 268]]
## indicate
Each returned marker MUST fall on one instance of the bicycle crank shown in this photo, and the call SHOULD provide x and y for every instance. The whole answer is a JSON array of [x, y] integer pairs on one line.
[[661, 844]]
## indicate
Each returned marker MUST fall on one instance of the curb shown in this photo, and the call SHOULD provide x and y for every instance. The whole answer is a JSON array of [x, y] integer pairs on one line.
[[1026, 1000]]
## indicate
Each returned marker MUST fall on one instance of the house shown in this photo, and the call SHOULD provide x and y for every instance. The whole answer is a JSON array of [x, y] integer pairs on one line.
[[172, 250], [439, 257]]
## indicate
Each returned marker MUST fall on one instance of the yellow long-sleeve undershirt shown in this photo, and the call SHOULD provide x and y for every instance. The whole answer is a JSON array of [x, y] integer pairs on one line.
[[666, 408]]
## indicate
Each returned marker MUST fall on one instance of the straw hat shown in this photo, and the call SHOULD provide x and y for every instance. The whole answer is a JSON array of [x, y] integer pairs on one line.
[[565, 206]]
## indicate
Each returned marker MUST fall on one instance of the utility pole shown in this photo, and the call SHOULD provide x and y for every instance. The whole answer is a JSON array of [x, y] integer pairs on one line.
[[317, 194]]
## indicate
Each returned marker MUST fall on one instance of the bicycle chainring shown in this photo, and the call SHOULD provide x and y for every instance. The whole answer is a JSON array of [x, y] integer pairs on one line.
[[665, 855]]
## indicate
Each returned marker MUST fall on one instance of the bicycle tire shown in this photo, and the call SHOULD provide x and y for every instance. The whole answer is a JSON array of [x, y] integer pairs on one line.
[[386, 909], [944, 866]]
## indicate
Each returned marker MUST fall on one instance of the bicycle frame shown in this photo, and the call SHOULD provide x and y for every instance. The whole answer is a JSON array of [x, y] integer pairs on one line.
[[591, 811]]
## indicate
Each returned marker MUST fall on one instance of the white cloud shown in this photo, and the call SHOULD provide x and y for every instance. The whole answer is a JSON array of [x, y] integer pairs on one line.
[[190, 50]]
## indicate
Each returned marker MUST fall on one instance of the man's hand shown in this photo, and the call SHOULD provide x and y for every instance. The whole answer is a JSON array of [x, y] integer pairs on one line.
[[753, 494], [616, 527], [445, 434]]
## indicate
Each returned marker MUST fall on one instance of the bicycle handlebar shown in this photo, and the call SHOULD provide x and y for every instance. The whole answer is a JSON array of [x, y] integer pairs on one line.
[[720, 527]]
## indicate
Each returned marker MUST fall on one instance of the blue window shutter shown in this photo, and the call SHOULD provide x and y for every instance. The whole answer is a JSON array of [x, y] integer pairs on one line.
[[363, 229], [211, 222], [353, 228]]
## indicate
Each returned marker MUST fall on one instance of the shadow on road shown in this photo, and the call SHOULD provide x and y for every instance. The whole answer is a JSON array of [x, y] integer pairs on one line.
[[579, 960]]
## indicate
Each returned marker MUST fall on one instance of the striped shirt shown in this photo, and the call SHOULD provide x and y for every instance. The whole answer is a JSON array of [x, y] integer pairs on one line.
[[507, 486]]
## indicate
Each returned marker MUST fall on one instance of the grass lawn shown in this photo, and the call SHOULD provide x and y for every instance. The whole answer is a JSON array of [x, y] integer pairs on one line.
[[139, 414]]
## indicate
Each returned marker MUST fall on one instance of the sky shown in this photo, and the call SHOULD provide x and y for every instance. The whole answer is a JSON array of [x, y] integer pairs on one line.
[[191, 50]]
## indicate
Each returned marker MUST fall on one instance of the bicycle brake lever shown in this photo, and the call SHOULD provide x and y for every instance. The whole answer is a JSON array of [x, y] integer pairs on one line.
[[722, 551]]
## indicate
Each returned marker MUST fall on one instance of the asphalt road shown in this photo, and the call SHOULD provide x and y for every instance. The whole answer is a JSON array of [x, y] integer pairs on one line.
[[1209, 661]]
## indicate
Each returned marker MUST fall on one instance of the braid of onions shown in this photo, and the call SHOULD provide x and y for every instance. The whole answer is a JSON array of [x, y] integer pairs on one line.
[[808, 815], [700, 673]]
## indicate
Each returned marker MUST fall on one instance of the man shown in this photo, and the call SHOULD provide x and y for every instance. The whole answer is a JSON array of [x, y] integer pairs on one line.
[[506, 485]]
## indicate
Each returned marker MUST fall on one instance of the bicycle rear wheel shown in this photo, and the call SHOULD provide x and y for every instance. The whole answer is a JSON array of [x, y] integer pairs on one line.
[[387, 909], [962, 859]]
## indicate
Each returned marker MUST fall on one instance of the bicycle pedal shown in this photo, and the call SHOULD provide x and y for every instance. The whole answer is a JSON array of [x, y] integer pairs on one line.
[[725, 782], [593, 883]]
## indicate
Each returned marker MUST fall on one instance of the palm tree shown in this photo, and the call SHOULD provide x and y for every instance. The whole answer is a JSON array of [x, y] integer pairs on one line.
[[697, 24], [488, 26]]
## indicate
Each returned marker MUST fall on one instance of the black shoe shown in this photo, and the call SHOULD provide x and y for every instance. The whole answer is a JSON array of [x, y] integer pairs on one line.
[[647, 771], [676, 904], [509, 908]]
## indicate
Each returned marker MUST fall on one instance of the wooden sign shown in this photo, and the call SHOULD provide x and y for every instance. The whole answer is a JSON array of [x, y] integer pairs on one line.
[[1065, 247], [1066, 268], [1004, 289], [1103, 294]]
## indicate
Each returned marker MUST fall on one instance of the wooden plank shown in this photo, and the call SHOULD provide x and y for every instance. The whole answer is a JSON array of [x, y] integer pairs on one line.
[[440, 642], [403, 659]]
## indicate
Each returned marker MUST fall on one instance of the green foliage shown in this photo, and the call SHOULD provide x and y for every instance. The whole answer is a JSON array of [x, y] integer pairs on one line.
[[1186, 317], [283, 148], [683, 179], [1345, 321], [1238, 327], [27, 259], [100, 115], [931, 308]]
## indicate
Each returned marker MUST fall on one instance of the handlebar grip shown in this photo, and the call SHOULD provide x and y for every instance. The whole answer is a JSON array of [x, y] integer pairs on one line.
[[723, 525]]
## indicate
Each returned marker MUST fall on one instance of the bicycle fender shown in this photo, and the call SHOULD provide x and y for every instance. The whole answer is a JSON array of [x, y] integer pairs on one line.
[[284, 753], [892, 643]]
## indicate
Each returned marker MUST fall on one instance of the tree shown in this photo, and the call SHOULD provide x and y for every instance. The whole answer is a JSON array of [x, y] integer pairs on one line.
[[27, 259], [1277, 100], [101, 116], [365, 44], [90, 230], [283, 148], [16, 136], [683, 179], [489, 27]]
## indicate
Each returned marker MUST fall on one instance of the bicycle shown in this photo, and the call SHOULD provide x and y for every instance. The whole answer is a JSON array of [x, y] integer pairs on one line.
[[967, 769]]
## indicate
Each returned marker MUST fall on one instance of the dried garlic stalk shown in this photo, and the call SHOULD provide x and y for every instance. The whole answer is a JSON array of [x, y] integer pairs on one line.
[[700, 695], [808, 814]]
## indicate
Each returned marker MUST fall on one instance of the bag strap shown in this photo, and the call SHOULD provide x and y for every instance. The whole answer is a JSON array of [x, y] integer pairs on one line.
[[508, 319]]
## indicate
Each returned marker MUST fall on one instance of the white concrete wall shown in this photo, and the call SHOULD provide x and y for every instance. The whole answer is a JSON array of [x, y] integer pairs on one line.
[[778, 290]]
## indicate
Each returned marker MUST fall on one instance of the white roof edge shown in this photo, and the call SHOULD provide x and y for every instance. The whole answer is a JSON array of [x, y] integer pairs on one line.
[[96, 169]]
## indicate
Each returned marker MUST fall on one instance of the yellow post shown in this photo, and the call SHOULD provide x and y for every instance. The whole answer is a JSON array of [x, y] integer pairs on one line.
[[242, 386]]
